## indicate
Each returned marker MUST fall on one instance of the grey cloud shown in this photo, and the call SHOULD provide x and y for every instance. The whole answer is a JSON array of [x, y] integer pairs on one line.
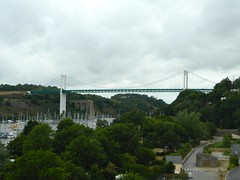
[[20, 21], [221, 17], [120, 42]]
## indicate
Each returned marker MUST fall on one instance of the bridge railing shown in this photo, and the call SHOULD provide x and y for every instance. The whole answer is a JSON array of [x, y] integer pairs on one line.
[[92, 91]]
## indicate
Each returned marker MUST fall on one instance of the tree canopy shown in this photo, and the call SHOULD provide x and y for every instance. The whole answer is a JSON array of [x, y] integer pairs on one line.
[[74, 151]]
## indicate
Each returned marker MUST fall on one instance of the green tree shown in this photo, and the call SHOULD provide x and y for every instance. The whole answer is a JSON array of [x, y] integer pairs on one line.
[[145, 155], [209, 113], [170, 139], [64, 136], [185, 149], [211, 128], [221, 89], [233, 162], [15, 147], [132, 176], [127, 159], [76, 172], [1, 99], [40, 138], [85, 151], [191, 100], [236, 83], [226, 112], [110, 171], [129, 163], [65, 123], [195, 129], [101, 123], [158, 133], [226, 141], [30, 125], [96, 173], [4, 156], [168, 168], [236, 116], [38, 165], [126, 135], [127, 102], [110, 146], [135, 117]]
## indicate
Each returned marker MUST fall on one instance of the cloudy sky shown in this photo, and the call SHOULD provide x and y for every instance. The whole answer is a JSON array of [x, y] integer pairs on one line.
[[118, 43]]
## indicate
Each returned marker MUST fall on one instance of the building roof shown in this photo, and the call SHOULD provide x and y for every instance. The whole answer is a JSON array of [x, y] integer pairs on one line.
[[233, 174], [174, 159], [235, 136], [236, 149]]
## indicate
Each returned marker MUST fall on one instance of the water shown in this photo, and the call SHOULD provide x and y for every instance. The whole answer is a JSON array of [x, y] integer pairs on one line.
[[16, 128]]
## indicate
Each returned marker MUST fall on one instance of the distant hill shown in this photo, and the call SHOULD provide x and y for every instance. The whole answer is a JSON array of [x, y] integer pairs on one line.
[[16, 102], [121, 103], [127, 102], [221, 106]]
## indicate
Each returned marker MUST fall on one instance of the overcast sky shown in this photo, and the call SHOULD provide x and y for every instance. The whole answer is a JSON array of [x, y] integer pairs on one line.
[[118, 43]]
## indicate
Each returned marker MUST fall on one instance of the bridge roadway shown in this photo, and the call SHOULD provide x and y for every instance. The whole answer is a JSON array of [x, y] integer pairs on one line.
[[92, 91]]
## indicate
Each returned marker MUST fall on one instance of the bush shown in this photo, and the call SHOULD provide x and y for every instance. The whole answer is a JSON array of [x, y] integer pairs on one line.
[[207, 150], [233, 162], [226, 141]]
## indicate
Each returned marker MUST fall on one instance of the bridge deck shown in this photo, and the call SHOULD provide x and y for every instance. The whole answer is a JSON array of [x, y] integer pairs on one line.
[[92, 91]]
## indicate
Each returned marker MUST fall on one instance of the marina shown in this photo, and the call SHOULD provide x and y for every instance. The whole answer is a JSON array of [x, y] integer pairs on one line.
[[9, 129]]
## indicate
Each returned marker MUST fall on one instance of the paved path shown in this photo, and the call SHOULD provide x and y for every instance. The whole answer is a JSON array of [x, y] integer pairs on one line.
[[197, 172]]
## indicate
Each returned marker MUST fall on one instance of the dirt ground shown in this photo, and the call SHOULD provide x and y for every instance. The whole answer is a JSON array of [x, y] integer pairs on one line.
[[11, 92], [220, 149], [223, 164]]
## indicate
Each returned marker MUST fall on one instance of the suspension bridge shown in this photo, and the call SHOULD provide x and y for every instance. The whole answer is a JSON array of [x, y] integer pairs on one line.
[[63, 91]]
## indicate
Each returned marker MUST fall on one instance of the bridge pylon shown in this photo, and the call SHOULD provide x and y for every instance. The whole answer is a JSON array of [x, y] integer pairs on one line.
[[63, 96], [185, 79]]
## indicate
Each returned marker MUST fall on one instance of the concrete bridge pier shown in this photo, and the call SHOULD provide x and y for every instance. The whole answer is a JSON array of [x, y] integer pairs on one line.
[[185, 79], [63, 96]]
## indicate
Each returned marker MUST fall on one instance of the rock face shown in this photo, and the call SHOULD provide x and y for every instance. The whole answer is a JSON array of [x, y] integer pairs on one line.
[[86, 107], [20, 104], [206, 160]]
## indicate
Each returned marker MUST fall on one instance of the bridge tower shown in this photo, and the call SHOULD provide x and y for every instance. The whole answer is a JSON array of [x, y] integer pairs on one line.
[[185, 79], [63, 96]]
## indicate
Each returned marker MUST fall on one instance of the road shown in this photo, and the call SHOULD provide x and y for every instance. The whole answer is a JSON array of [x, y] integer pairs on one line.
[[197, 172]]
